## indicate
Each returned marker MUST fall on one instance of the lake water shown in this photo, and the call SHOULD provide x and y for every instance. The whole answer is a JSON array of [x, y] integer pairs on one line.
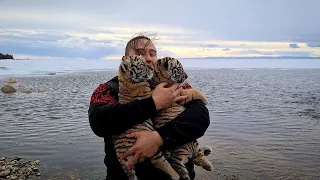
[[40, 67], [264, 122]]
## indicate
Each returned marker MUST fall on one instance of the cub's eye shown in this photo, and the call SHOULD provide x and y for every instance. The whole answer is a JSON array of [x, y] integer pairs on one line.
[[131, 72]]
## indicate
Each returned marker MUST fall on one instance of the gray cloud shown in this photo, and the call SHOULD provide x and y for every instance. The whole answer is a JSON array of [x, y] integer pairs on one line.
[[313, 44], [56, 45], [16, 35], [55, 51], [162, 52], [289, 53], [101, 31], [247, 20], [294, 46], [278, 53], [208, 45], [253, 51]]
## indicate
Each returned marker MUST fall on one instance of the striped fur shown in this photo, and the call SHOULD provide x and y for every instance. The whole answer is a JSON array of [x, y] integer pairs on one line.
[[170, 70], [133, 85]]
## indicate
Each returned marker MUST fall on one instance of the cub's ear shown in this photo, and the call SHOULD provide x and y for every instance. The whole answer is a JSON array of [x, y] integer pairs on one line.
[[166, 64], [124, 66], [163, 62], [158, 63]]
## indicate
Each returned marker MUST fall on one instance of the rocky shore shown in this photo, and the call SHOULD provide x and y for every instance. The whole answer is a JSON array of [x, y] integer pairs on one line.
[[18, 169], [8, 88]]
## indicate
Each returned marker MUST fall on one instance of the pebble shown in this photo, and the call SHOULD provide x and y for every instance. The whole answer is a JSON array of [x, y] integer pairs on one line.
[[16, 168], [4, 173]]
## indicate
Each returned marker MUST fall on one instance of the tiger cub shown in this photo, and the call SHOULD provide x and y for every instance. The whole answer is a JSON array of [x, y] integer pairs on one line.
[[170, 70], [133, 75]]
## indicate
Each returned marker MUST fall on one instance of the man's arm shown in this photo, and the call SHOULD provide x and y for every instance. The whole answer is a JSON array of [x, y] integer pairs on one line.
[[188, 126], [107, 117]]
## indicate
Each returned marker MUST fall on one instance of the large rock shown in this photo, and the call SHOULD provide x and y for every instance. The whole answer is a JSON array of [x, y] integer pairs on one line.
[[42, 90], [4, 173], [4, 68], [10, 81], [8, 89]]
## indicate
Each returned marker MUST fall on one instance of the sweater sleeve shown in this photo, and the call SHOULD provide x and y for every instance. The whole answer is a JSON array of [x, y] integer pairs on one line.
[[188, 126], [108, 117]]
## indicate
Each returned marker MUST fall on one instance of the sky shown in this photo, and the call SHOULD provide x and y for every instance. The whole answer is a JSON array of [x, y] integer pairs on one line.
[[99, 29]]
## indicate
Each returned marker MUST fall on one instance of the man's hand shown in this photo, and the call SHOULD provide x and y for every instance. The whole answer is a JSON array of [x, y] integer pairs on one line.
[[164, 97], [147, 144]]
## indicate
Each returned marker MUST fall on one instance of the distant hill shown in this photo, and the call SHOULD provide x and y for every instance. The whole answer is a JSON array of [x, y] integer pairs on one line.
[[5, 56]]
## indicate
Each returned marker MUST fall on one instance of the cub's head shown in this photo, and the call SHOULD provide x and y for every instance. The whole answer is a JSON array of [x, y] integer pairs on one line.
[[136, 69], [171, 69]]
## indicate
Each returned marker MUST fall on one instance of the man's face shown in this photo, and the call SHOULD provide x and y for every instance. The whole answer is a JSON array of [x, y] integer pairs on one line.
[[149, 52]]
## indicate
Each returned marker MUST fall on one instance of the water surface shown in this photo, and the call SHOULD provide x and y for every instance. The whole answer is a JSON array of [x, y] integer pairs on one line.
[[264, 123]]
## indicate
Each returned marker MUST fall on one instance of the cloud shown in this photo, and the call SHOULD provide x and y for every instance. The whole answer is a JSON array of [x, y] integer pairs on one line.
[[313, 44], [98, 29], [56, 51], [293, 46], [55, 45], [256, 52], [163, 52], [32, 36], [290, 53], [209, 45], [234, 21], [110, 44]]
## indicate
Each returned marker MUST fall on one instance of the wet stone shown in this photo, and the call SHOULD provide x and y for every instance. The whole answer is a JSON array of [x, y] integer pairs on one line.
[[17, 168]]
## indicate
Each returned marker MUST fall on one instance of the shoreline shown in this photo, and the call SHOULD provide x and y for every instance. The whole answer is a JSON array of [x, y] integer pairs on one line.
[[216, 174], [12, 168]]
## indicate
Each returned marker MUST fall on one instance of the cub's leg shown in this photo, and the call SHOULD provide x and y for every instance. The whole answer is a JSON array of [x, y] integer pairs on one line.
[[178, 159], [159, 161], [131, 173], [202, 161], [192, 95], [124, 163], [198, 157]]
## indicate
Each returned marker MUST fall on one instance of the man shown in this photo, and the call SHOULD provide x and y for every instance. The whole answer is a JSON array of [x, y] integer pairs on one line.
[[107, 117]]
